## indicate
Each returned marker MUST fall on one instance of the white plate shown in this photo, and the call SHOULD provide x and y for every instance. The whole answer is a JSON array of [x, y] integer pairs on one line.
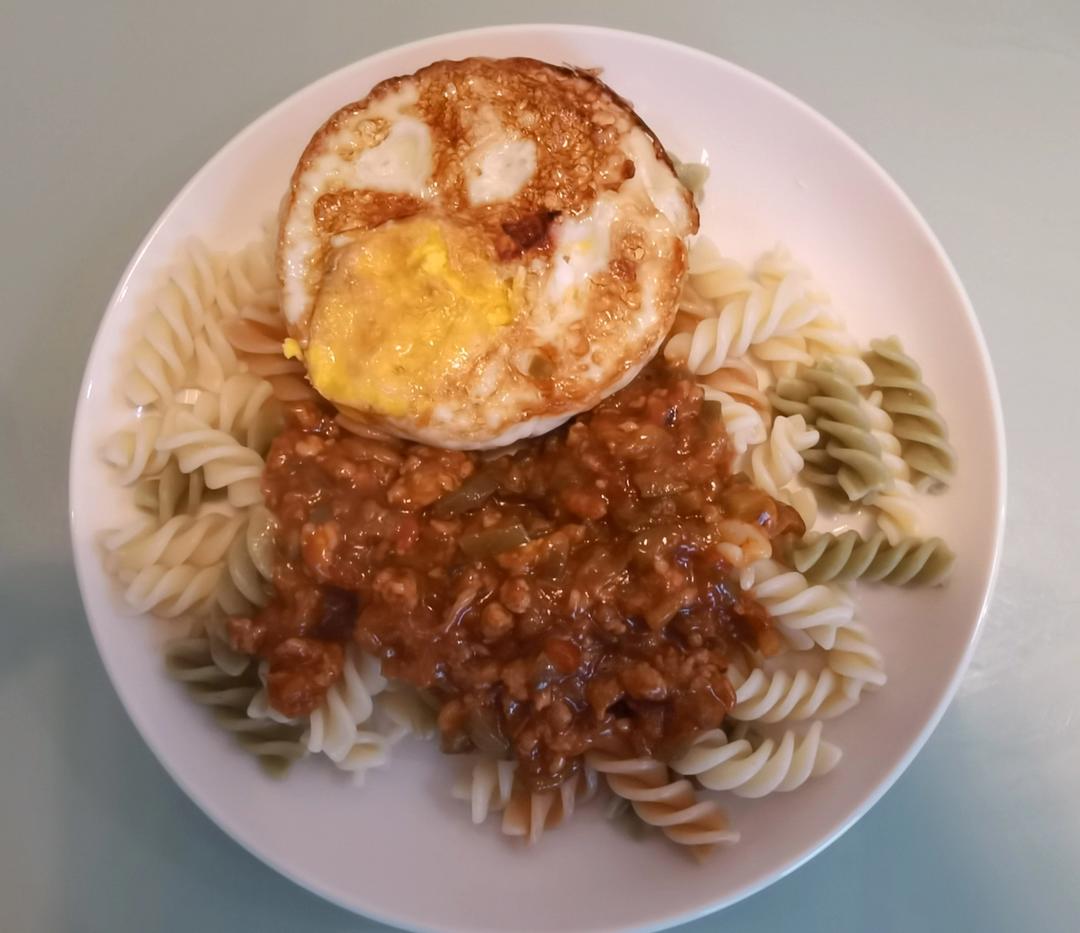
[[400, 849]]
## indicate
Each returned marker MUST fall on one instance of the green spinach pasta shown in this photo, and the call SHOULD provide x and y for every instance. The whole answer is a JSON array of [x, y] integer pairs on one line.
[[923, 434], [849, 556]]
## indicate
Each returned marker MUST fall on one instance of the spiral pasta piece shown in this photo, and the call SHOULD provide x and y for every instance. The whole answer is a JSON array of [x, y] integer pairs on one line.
[[774, 465], [486, 786], [758, 767], [854, 657], [166, 347], [169, 493], [225, 462], [847, 455], [779, 460], [191, 662], [739, 380], [257, 337], [528, 814], [782, 697], [133, 449], [665, 801], [244, 406], [742, 422], [806, 614], [197, 540], [923, 434], [249, 564], [744, 321], [170, 592], [247, 279], [850, 556], [334, 728], [894, 507]]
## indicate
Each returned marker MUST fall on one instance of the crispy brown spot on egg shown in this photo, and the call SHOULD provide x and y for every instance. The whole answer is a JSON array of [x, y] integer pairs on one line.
[[350, 209], [524, 234]]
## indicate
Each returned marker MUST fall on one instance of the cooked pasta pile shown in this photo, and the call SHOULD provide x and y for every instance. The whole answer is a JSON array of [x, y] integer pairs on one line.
[[819, 422]]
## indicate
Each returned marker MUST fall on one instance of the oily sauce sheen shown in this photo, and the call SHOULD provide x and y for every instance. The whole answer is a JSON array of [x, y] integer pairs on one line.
[[564, 596]]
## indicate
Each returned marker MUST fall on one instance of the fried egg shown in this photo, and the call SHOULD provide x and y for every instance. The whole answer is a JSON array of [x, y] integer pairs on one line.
[[478, 251]]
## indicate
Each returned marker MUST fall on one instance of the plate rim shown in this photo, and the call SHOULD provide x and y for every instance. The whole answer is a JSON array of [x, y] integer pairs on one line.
[[998, 514]]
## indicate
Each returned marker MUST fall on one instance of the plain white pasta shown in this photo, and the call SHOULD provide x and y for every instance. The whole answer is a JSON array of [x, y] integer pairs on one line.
[[758, 766], [743, 423], [823, 335], [201, 540], [486, 786], [742, 381], [778, 461], [169, 492], [161, 358], [806, 615], [334, 728], [133, 449], [243, 405], [854, 657], [247, 279], [743, 321], [665, 801], [225, 462], [171, 592], [775, 464], [776, 313], [249, 564], [780, 696], [896, 511]]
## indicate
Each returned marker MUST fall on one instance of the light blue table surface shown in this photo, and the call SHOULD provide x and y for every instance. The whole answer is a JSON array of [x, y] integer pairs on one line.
[[106, 109]]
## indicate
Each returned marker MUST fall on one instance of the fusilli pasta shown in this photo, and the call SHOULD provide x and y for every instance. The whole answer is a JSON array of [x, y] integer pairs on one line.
[[334, 728], [529, 814], [225, 463], [228, 695], [746, 318], [489, 786], [133, 449], [923, 434], [249, 564], [774, 465], [807, 615], [743, 423], [850, 556], [847, 454], [757, 767], [665, 801], [169, 492], [895, 509], [167, 344], [780, 696]]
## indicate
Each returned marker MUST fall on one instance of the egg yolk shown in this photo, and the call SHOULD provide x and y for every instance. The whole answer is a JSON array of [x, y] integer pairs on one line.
[[401, 309]]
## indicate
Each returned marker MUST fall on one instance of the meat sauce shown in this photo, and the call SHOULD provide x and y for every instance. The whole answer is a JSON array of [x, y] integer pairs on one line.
[[573, 593]]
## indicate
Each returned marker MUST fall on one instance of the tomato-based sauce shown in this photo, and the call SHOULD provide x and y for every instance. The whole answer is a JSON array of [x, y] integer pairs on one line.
[[576, 592]]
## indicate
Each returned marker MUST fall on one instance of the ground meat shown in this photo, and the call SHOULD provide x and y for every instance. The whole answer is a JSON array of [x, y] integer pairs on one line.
[[574, 596]]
